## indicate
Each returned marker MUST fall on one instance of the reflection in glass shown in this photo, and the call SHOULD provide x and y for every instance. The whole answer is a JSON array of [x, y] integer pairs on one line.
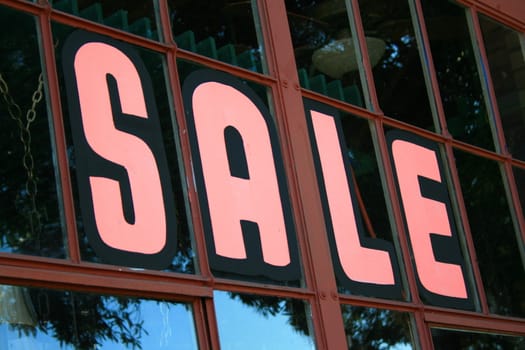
[[370, 328], [154, 62], [324, 49], [49, 319], [130, 16], [505, 50], [463, 340], [519, 177], [248, 321], [223, 30], [495, 239], [457, 73], [365, 174], [29, 216], [398, 75]]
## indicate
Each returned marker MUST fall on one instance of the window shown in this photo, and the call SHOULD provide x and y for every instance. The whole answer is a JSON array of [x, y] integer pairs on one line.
[[307, 174]]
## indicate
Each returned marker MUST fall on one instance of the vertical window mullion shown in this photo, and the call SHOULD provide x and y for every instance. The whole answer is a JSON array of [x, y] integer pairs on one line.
[[303, 188], [365, 69], [59, 144]]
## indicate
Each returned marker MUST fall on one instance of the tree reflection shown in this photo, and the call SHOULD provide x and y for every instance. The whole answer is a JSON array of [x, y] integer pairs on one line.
[[370, 328], [366, 328]]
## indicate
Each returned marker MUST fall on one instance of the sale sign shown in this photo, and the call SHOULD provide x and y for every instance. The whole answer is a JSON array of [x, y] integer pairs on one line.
[[128, 208]]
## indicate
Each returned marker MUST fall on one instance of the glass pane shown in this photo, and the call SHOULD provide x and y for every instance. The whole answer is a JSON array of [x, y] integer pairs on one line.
[[248, 321], [29, 219], [451, 339], [324, 49], [369, 185], [398, 75], [32, 318], [519, 176], [497, 249], [223, 30], [505, 50], [130, 16], [457, 73], [370, 328], [183, 260]]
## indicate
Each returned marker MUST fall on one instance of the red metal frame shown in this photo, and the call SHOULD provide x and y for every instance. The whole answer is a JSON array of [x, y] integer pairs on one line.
[[320, 289]]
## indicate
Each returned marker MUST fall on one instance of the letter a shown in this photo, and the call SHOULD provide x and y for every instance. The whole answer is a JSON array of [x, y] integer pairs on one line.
[[247, 210]]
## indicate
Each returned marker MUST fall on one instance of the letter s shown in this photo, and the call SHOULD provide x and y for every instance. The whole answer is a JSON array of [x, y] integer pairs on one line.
[[125, 193]]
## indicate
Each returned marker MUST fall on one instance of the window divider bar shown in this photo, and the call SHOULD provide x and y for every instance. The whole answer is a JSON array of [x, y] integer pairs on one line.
[[66, 192]]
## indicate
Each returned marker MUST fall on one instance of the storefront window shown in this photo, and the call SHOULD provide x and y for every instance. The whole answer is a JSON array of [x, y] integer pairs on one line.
[[30, 222], [154, 64], [398, 74], [223, 30], [133, 17], [464, 340], [371, 328], [495, 239], [162, 187], [325, 50], [505, 49], [457, 73], [262, 322], [33, 318]]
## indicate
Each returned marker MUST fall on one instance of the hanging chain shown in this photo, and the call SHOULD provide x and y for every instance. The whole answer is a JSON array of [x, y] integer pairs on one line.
[[24, 125]]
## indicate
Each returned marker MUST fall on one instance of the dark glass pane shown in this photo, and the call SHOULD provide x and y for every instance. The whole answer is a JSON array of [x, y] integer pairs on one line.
[[519, 176], [223, 30], [362, 156], [32, 318], [324, 49], [370, 328], [130, 16], [183, 261], [398, 75], [449, 339], [505, 53], [495, 239], [366, 178], [457, 73], [249, 321], [29, 217]]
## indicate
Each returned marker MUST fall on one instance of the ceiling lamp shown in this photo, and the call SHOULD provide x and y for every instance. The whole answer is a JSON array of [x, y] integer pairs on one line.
[[339, 56]]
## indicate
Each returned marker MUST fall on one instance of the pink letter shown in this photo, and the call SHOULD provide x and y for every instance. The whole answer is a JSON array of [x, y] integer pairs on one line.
[[231, 199], [424, 217], [94, 61], [360, 264]]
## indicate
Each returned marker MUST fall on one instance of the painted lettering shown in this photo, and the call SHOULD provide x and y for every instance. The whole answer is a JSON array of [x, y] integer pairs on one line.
[[425, 199], [365, 265], [241, 176], [123, 181]]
